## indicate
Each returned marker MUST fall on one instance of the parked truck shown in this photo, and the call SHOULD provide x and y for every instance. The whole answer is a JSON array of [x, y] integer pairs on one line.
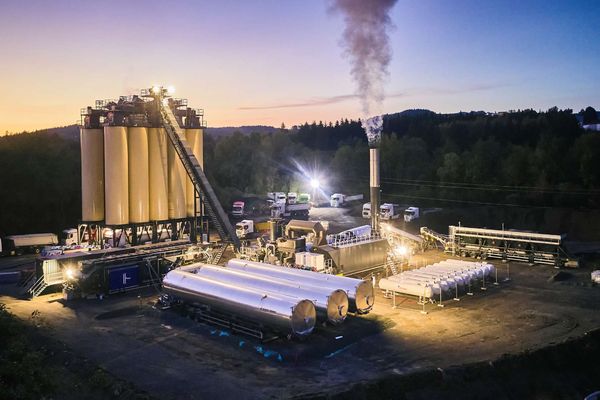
[[304, 198], [411, 213], [340, 199], [366, 210], [277, 197], [250, 207], [244, 229], [290, 211], [292, 197], [29, 243], [389, 211]]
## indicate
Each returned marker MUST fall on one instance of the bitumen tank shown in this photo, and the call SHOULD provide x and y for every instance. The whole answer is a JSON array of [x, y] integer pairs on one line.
[[116, 168], [92, 174], [195, 139], [360, 293], [331, 305], [283, 314], [158, 174]]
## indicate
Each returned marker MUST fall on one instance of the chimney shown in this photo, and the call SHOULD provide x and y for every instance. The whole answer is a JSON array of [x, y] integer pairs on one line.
[[374, 185]]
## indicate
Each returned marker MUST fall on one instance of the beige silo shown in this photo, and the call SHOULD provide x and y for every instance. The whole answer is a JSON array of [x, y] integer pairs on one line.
[[139, 192], [195, 139], [177, 182], [158, 174], [116, 187], [92, 174]]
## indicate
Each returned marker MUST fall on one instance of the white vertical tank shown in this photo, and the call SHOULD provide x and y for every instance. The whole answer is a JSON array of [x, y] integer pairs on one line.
[[158, 174], [177, 182], [92, 174], [116, 188], [195, 139], [139, 192]]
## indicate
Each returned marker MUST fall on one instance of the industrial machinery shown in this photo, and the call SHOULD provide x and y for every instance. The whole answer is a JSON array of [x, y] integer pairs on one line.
[[282, 313], [142, 170]]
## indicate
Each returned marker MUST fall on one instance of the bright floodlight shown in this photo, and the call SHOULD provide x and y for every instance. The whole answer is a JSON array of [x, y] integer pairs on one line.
[[70, 273], [171, 89], [401, 250], [314, 182], [156, 89]]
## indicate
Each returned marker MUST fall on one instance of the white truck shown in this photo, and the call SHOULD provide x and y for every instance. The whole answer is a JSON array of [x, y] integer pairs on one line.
[[389, 211], [277, 197], [290, 211], [29, 243], [366, 210], [340, 199], [244, 228], [411, 213], [292, 198]]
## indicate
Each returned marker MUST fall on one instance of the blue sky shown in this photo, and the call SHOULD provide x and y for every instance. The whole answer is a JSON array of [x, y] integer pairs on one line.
[[243, 60]]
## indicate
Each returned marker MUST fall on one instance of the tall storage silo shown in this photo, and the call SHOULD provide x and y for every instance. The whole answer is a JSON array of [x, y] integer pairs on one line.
[[177, 181], [195, 139], [158, 174], [92, 174], [139, 192], [116, 187]]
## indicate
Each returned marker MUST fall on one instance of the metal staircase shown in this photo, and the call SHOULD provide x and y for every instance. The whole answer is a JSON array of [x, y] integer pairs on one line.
[[217, 254], [194, 170]]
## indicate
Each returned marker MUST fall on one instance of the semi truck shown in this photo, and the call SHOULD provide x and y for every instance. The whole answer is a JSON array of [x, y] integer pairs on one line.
[[244, 228], [28, 243], [304, 198], [411, 213], [277, 197], [366, 210], [389, 211], [292, 197], [290, 211], [340, 199], [250, 207]]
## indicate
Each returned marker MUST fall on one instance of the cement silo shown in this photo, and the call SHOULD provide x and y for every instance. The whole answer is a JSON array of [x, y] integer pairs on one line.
[[139, 192], [158, 174], [195, 139], [92, 174], [116, 196], [177, 182]]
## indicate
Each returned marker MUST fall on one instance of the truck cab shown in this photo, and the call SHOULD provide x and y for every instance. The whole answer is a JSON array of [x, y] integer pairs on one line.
[[366, 210], [411, 213], [304, 198], [389, 211], [277, 197], [244, 228], [336, 200], [69, 237], [292, 198], [237, 210]]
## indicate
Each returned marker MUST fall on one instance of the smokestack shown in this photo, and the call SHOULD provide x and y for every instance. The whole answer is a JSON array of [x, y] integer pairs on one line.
[[374, 186]]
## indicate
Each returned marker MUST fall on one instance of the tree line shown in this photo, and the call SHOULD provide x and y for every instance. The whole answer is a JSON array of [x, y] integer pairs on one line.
[[519, 158]]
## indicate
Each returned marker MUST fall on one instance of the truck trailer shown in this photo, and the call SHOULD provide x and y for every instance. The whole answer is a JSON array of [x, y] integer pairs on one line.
[[28, 243]]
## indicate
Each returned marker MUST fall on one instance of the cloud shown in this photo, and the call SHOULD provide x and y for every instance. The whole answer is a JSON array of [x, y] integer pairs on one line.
[[412, 92]]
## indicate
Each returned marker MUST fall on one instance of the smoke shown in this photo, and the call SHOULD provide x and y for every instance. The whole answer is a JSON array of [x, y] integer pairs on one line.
[[366, 43]]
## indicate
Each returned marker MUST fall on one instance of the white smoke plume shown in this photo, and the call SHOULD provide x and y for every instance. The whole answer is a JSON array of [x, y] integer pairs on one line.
[[366, 43]]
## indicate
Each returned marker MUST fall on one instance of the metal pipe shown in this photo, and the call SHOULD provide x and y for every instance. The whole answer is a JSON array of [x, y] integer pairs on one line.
[[360, 293], [374, 187], [331, 305], [281, 313]]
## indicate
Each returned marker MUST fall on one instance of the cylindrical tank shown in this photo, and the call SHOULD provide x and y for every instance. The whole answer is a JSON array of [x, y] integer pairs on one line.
[[195, 139], [283, 314], [158, 174], [360, 293], [116, 175], [330, 305], [437, 286], [139, 192], [437, 277], [410, 288], [92, 174], [177, 182]]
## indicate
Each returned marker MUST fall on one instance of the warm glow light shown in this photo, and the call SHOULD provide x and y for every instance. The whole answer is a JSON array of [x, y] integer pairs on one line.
[[401, 250], [156, 89], [171, 89], [70, 273]]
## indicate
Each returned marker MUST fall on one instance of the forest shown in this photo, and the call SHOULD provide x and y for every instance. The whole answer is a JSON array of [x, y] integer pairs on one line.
[[513, 159]]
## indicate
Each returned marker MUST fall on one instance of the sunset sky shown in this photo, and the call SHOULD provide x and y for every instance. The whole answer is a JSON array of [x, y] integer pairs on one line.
[[268, 62]]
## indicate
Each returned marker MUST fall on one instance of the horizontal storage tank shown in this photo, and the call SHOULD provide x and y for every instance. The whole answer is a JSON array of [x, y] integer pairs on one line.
[[116, 175], [330, 305], [360, 293], [195, 139], [139, 192], [158, 174], [282, 314], [434, 277], [437, 287], [177, 182], [92, 174], [410, 288]]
